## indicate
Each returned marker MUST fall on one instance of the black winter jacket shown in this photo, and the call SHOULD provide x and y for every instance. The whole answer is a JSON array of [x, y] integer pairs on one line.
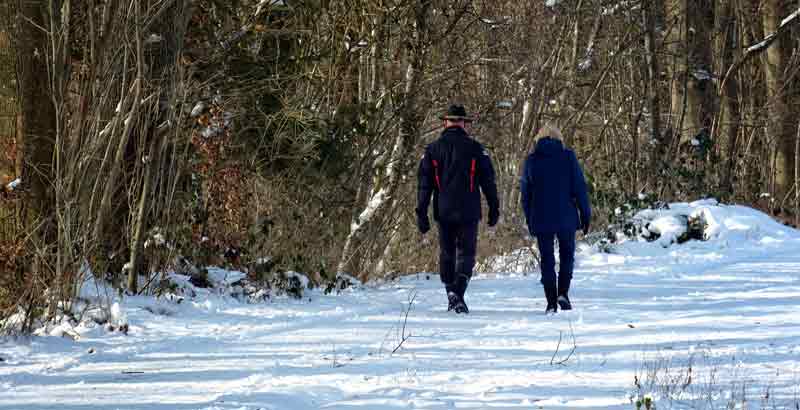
[[455, 169]]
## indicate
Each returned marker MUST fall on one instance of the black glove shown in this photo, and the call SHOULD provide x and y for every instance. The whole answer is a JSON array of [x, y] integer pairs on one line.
[[423, 224], [494, 216], [585, 228]]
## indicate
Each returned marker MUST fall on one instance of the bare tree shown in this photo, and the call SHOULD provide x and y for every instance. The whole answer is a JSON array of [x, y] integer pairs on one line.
[[399, 162]]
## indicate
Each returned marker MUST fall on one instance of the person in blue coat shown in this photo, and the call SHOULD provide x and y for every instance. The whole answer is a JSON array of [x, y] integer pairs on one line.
[[556, 204], [455, 169]]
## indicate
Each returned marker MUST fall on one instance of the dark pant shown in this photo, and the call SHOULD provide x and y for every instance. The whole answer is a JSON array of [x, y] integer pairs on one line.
[[457, 242], [566, 256]]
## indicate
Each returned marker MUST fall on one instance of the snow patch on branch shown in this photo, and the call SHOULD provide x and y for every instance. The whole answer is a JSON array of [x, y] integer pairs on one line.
[[760, 45], [106, 129], [157, 240], [586, 64], [377, 200], [702, 74], [154, 38], [790, 18], [14, 184], [768, 40], [265, 4], [198, 109], [627, 5]]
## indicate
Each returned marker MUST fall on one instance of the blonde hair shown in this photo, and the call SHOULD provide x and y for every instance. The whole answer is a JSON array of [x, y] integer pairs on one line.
[[548, 130]]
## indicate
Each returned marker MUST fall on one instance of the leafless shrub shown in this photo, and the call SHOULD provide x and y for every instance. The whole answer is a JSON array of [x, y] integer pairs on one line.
[[704, 381]]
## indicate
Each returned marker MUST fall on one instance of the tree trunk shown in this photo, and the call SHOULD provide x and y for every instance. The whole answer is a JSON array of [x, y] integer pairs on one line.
[[384, 263], [37, 129], [111, 187], [730, 115], [653, 89], [797, 178], [689, 43], [135, 262], [781, 117]]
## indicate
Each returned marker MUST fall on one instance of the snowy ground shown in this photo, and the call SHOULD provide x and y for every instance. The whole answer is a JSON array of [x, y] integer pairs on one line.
[[699, 325]]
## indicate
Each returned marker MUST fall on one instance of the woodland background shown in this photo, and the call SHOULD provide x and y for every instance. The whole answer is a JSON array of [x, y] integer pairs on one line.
[[276, 136]]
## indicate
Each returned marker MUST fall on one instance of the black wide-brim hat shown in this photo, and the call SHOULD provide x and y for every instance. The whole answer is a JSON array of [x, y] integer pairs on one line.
[[456, 112]]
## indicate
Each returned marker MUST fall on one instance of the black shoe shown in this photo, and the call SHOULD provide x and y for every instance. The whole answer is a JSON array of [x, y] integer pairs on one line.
[[452, 301], [551, 309], [563, 302], [461, 307]]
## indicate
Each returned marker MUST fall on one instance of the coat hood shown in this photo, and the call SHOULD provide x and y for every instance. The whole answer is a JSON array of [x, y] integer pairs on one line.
[[548, 147]]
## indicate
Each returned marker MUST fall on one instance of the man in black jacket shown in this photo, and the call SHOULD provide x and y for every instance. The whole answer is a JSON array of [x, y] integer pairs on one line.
[[455, 169]]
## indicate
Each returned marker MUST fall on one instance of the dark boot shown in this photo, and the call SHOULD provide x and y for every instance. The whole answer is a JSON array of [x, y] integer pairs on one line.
[[461, 285], [563, 302], [551, 294], [545, 242], [566, 254], [563, 292], [452, 301], [461, 306]]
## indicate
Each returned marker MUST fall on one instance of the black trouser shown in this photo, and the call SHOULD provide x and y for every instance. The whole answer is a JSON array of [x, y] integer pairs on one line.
[[457, 243], [566, 256]]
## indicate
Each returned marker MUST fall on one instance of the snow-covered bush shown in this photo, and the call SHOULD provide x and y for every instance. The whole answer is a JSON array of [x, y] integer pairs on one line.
[[681, 222], [90, 308], [706, 380], [623, 223], [341, 282], [290, 283], [264, 274], [655, 221]]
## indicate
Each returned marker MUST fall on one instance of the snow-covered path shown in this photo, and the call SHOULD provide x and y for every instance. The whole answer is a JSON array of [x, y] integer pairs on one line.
[[729, 314]]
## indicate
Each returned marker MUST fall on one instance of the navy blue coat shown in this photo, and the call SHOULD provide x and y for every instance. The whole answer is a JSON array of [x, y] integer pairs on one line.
[[554, 196], [455, 170]]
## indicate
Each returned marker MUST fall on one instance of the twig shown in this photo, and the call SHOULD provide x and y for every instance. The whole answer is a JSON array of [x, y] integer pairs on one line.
[[335, 363], [403, 336], [552, 359], [574, 347]]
